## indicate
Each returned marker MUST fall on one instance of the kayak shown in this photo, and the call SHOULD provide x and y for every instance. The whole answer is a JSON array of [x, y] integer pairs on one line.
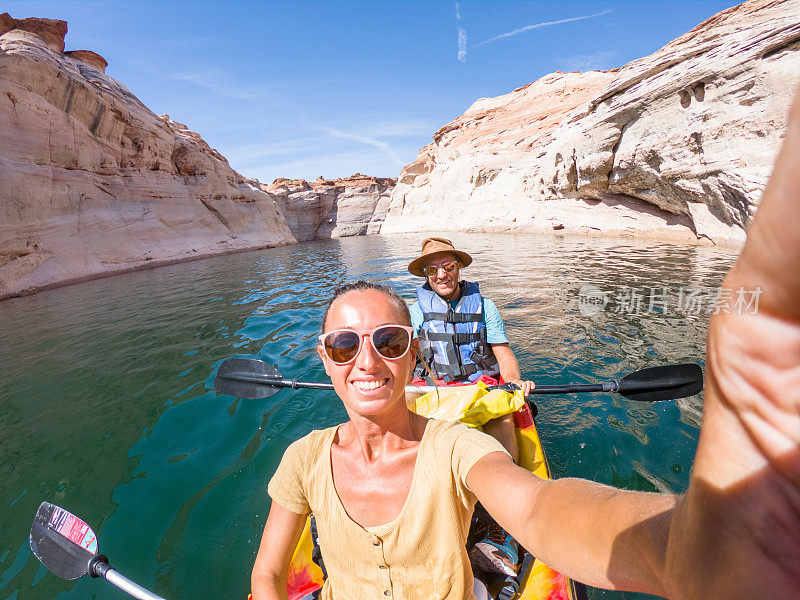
[[536, 580]]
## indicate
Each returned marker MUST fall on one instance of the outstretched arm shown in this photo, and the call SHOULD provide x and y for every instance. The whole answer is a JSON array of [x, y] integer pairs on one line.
[[735, 533], [579, 527], [740, 519]]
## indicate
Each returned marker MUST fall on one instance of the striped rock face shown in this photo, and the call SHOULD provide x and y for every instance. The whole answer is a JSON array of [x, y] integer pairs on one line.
[[93, 183], [330, 208]]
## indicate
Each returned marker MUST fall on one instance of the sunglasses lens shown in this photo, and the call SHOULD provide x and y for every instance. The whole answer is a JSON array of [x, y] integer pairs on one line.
[[433, 270], [342, 346], [390, 341]]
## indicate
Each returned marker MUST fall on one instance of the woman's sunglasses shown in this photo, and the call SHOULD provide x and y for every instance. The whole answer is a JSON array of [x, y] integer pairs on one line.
[[343, 345], [433, 270]]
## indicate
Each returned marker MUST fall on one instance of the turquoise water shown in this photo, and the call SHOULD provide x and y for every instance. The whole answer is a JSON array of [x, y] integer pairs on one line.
[[106, 406]]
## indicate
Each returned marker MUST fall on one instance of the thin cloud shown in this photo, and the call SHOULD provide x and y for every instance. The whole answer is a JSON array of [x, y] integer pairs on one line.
[[255, 153], [462, 45], [400, 128], [462, 38], [289, 156], [588, 62], [210, 81], [385, 148], [539, 26]]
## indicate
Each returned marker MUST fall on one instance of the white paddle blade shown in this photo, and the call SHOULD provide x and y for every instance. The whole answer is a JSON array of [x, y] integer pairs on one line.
[[62, 542]]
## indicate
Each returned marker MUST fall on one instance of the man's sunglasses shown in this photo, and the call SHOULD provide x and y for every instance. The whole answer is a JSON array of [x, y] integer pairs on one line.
[[343, 345], [434, 269]]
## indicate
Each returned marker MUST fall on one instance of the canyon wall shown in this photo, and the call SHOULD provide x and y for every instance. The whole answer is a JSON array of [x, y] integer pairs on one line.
[[676, 145], [329, 208], [94, 183]]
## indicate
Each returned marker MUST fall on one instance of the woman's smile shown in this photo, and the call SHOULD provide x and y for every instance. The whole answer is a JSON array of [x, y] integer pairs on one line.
[[369, 384]]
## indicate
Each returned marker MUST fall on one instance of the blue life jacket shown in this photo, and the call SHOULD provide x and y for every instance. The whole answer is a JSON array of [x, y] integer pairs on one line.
[[453, 341]]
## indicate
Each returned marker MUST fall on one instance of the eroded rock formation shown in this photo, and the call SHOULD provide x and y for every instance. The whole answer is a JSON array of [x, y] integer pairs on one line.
[[94, 183], [678, 144], [329, 208]]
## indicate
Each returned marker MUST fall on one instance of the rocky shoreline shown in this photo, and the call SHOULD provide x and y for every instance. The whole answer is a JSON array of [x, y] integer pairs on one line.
[[673, 146]]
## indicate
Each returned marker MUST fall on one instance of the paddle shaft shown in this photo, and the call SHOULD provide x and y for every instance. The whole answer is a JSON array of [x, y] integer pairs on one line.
[[569, 388], [645, 385], [607, 386], [573, 388], [114, 577], [297, 385], [278, 381]]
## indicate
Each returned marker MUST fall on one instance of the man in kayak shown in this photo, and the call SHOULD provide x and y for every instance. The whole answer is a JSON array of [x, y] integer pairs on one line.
[[462, 339], [461, 335]]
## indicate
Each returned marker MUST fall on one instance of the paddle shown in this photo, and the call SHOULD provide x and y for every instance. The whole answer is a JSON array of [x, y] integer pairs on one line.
[[667, 382], [252, 379], [68, 547]]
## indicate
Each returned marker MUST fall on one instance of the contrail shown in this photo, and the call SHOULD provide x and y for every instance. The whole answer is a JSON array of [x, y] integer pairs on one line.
[[462, 38], [539, 26]]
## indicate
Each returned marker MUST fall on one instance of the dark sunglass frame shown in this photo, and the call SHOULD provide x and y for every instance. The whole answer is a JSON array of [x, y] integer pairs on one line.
[[360, 336]]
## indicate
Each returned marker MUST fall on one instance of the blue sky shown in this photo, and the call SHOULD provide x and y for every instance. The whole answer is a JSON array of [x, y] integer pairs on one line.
[[303, 89]]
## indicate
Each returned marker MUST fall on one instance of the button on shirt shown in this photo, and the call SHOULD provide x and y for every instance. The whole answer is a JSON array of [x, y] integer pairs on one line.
[[421, 553]]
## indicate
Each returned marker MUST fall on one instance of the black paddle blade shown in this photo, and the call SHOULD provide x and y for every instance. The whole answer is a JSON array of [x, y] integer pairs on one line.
[[228, 379], [62, 542], [662, 383]]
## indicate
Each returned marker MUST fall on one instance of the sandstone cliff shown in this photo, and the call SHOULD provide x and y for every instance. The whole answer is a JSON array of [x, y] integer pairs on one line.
[[677, 144], [93, 183], [328, 208]]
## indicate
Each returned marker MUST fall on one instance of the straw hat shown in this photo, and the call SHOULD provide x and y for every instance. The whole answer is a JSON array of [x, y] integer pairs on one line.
[[432, 247]]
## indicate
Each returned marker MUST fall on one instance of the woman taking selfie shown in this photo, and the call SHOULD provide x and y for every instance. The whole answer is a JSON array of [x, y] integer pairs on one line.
[[393, 492]]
